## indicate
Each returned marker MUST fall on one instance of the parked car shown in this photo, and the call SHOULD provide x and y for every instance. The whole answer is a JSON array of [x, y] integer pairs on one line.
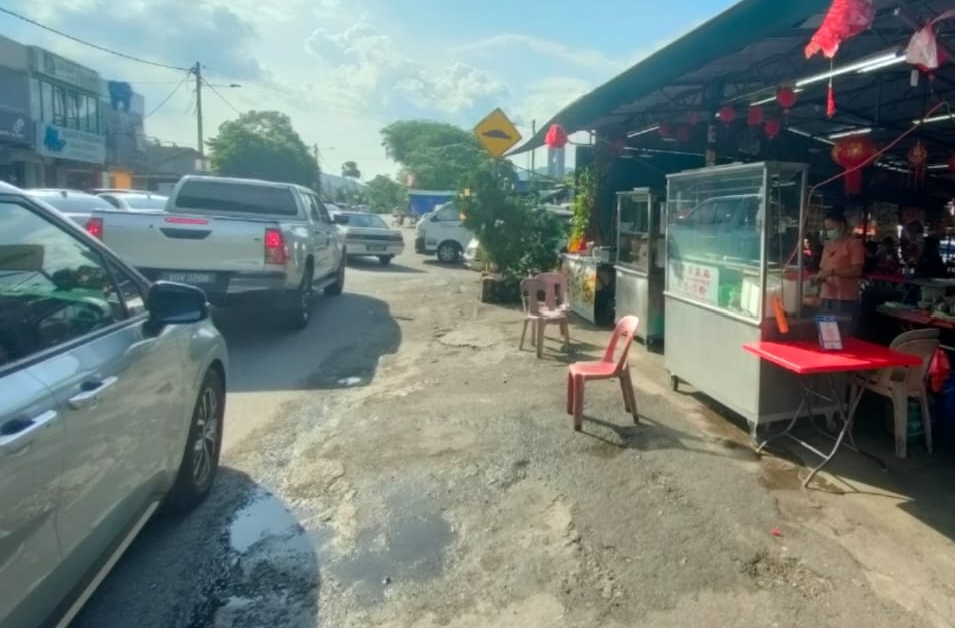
[[367, 234], [78, 205], [472, 254], [112, 392], [133, 200], [244, 242], [442, 233]]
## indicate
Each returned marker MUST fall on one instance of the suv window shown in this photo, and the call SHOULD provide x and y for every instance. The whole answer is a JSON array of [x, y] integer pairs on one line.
[[236, 196], [448, 213], [318, 211], [53, 287]]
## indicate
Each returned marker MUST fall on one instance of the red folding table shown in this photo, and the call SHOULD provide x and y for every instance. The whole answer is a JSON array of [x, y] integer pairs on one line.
[[810, 362]]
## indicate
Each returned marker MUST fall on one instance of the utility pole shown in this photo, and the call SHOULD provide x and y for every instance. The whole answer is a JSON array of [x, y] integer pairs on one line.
[[530, 176], [318, 168], [197, 70]]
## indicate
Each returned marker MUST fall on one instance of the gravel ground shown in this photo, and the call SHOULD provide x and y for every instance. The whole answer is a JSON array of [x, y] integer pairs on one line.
[[401, 464]]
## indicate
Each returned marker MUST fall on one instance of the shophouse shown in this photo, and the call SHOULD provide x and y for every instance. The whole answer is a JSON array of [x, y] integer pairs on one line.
[[19, 164], [70, 135], [122, 111]]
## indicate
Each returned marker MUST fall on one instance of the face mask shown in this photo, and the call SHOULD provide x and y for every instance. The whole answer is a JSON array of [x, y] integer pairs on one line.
[[833, 234]]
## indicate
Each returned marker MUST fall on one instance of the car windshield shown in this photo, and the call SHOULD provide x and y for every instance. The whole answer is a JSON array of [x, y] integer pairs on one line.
[[143, 201], [72, 201], [371, 221], [237, 197]]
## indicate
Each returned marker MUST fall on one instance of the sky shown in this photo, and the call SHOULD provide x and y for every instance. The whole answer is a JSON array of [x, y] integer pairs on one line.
[[342, 70]]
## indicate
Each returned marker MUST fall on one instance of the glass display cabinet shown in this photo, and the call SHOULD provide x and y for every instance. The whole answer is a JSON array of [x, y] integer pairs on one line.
[[733, 262], [640, 262]]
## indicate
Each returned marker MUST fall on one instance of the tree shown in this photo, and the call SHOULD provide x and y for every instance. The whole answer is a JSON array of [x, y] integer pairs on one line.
[[263, 145], [440, 156], [350, 170], [384, 193]]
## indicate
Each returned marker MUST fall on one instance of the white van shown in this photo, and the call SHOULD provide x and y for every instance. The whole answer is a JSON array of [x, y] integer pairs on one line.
[[442, 233]]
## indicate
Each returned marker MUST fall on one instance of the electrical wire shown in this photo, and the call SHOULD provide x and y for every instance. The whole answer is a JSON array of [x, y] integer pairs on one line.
[[90, 44], [221, 97], [168, 96]]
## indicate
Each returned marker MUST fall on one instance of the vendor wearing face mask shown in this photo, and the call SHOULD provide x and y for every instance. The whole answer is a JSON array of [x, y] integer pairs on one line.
[[840, 267]]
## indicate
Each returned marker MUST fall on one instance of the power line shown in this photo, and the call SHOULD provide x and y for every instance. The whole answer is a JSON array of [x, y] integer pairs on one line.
[[88, 43], [170, 95], [221, 97]]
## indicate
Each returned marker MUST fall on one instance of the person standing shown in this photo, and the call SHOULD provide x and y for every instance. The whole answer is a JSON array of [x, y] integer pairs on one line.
[[840, 268]]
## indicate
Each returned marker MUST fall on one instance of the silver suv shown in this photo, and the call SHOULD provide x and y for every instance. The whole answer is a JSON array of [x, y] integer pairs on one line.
[[112, 392]]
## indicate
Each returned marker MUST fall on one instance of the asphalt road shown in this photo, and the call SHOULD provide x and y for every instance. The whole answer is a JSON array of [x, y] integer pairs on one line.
[[402, 464]]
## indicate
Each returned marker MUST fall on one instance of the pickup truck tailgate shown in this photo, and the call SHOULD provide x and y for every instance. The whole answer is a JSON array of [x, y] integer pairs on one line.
[[182, 242]]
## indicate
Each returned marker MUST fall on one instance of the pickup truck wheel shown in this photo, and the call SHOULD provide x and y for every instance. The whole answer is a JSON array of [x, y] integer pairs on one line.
[[449, 252], [385, 259], [299, 313], [200, 461], [335, 289]]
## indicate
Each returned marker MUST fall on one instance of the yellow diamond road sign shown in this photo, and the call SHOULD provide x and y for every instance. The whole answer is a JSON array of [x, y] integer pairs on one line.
[[497, 133]]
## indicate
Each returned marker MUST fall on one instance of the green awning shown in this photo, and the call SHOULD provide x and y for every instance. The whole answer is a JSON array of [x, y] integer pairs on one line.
[[739, 26]]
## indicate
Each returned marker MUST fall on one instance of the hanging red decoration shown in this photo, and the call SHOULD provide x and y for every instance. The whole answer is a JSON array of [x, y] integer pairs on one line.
[[772, 128], [786, 98], [918, 164], [556, 137], [951, 164], [755, 116], [665, 131], [844, 20], [923, 51], [853, 153], [726, 114], [683, 133]]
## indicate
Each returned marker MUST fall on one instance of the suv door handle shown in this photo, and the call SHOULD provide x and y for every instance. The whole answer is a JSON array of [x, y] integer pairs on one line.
[[89, 396], [19, 433]]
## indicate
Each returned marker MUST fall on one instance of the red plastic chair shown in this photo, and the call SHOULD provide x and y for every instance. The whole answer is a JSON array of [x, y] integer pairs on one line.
[[607, 367]]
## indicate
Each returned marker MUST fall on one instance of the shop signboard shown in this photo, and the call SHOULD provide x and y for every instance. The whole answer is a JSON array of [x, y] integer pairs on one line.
[[15, 129], [695, 281], [62, 143], [64, 70]]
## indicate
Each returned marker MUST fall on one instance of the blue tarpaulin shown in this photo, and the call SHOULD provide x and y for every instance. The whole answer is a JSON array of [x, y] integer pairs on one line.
[[424, 201]]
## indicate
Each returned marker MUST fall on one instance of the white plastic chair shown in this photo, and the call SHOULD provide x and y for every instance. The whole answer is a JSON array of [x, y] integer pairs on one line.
[[538, 315], [902, 384]]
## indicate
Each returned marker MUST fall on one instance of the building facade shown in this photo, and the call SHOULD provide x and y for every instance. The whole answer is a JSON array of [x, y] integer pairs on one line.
[[19, 164], [123, 110], [66, 100]]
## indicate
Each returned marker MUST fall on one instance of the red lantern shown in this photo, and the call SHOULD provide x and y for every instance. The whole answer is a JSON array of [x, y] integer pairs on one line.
[[726, 114], [754, 116], [772, 128], [556, 137], [786, 97], [853, 153], [665, 131], [683, 133]]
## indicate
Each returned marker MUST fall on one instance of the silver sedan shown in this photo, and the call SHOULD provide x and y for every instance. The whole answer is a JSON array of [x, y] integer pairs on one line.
[[366, 234], [112, 393]]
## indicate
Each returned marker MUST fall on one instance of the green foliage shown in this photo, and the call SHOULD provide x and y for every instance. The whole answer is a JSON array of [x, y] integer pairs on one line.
[[263, 145], [384, 194], [516, 237], [440, 156], [585, 195], [350, 170]]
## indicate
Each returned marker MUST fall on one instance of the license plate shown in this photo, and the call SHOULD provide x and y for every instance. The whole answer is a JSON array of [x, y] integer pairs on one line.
[[377, 248], [189, 277]]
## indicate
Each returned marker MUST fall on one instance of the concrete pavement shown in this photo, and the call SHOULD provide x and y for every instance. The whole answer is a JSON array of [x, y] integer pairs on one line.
[[401, 464]]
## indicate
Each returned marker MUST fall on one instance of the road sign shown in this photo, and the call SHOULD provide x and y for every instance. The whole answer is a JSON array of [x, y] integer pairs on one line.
[[497, 133]]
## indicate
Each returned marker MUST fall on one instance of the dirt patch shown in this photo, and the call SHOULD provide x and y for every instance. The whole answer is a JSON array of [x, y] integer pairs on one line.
[[768, 571]]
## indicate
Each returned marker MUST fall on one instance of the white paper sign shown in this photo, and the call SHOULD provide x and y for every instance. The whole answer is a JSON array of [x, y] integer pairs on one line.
[[695, 281]]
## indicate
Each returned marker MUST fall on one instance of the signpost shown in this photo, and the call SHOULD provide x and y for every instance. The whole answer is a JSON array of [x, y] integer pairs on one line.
[[497, 134]]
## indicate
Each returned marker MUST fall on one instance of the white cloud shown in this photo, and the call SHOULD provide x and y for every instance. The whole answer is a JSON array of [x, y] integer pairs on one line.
[[592, 60]]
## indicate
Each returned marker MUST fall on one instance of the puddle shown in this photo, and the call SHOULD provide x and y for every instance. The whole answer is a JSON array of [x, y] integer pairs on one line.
[[790, 478], [265, 518], [406, 549]]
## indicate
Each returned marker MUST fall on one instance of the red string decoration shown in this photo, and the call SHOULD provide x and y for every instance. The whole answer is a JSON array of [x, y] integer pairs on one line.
[[844, 20]]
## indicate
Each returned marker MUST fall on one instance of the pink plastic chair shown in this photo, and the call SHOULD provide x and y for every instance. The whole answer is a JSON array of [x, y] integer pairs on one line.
[[608, 367], [539, 316], [555, 290]]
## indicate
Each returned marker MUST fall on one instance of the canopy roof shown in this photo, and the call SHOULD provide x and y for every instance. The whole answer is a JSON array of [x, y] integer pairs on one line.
[[743, 55]]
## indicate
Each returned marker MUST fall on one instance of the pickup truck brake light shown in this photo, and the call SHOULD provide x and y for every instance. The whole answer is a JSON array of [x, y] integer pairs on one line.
[[94, 226], [276, 252]]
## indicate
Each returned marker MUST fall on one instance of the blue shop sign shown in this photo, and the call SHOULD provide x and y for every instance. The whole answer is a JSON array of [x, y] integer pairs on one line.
[[63, 143], [15, 129]]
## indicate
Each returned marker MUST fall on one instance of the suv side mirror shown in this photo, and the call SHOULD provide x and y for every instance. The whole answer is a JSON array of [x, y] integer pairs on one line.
[[171, 303], [340, 219]]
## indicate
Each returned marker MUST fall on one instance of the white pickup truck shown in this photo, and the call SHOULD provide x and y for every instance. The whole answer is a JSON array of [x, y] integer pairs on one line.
[[244, 242]]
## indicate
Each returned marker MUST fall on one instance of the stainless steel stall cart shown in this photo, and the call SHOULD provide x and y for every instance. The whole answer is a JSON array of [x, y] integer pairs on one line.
[[734, 256], [640, 264]]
